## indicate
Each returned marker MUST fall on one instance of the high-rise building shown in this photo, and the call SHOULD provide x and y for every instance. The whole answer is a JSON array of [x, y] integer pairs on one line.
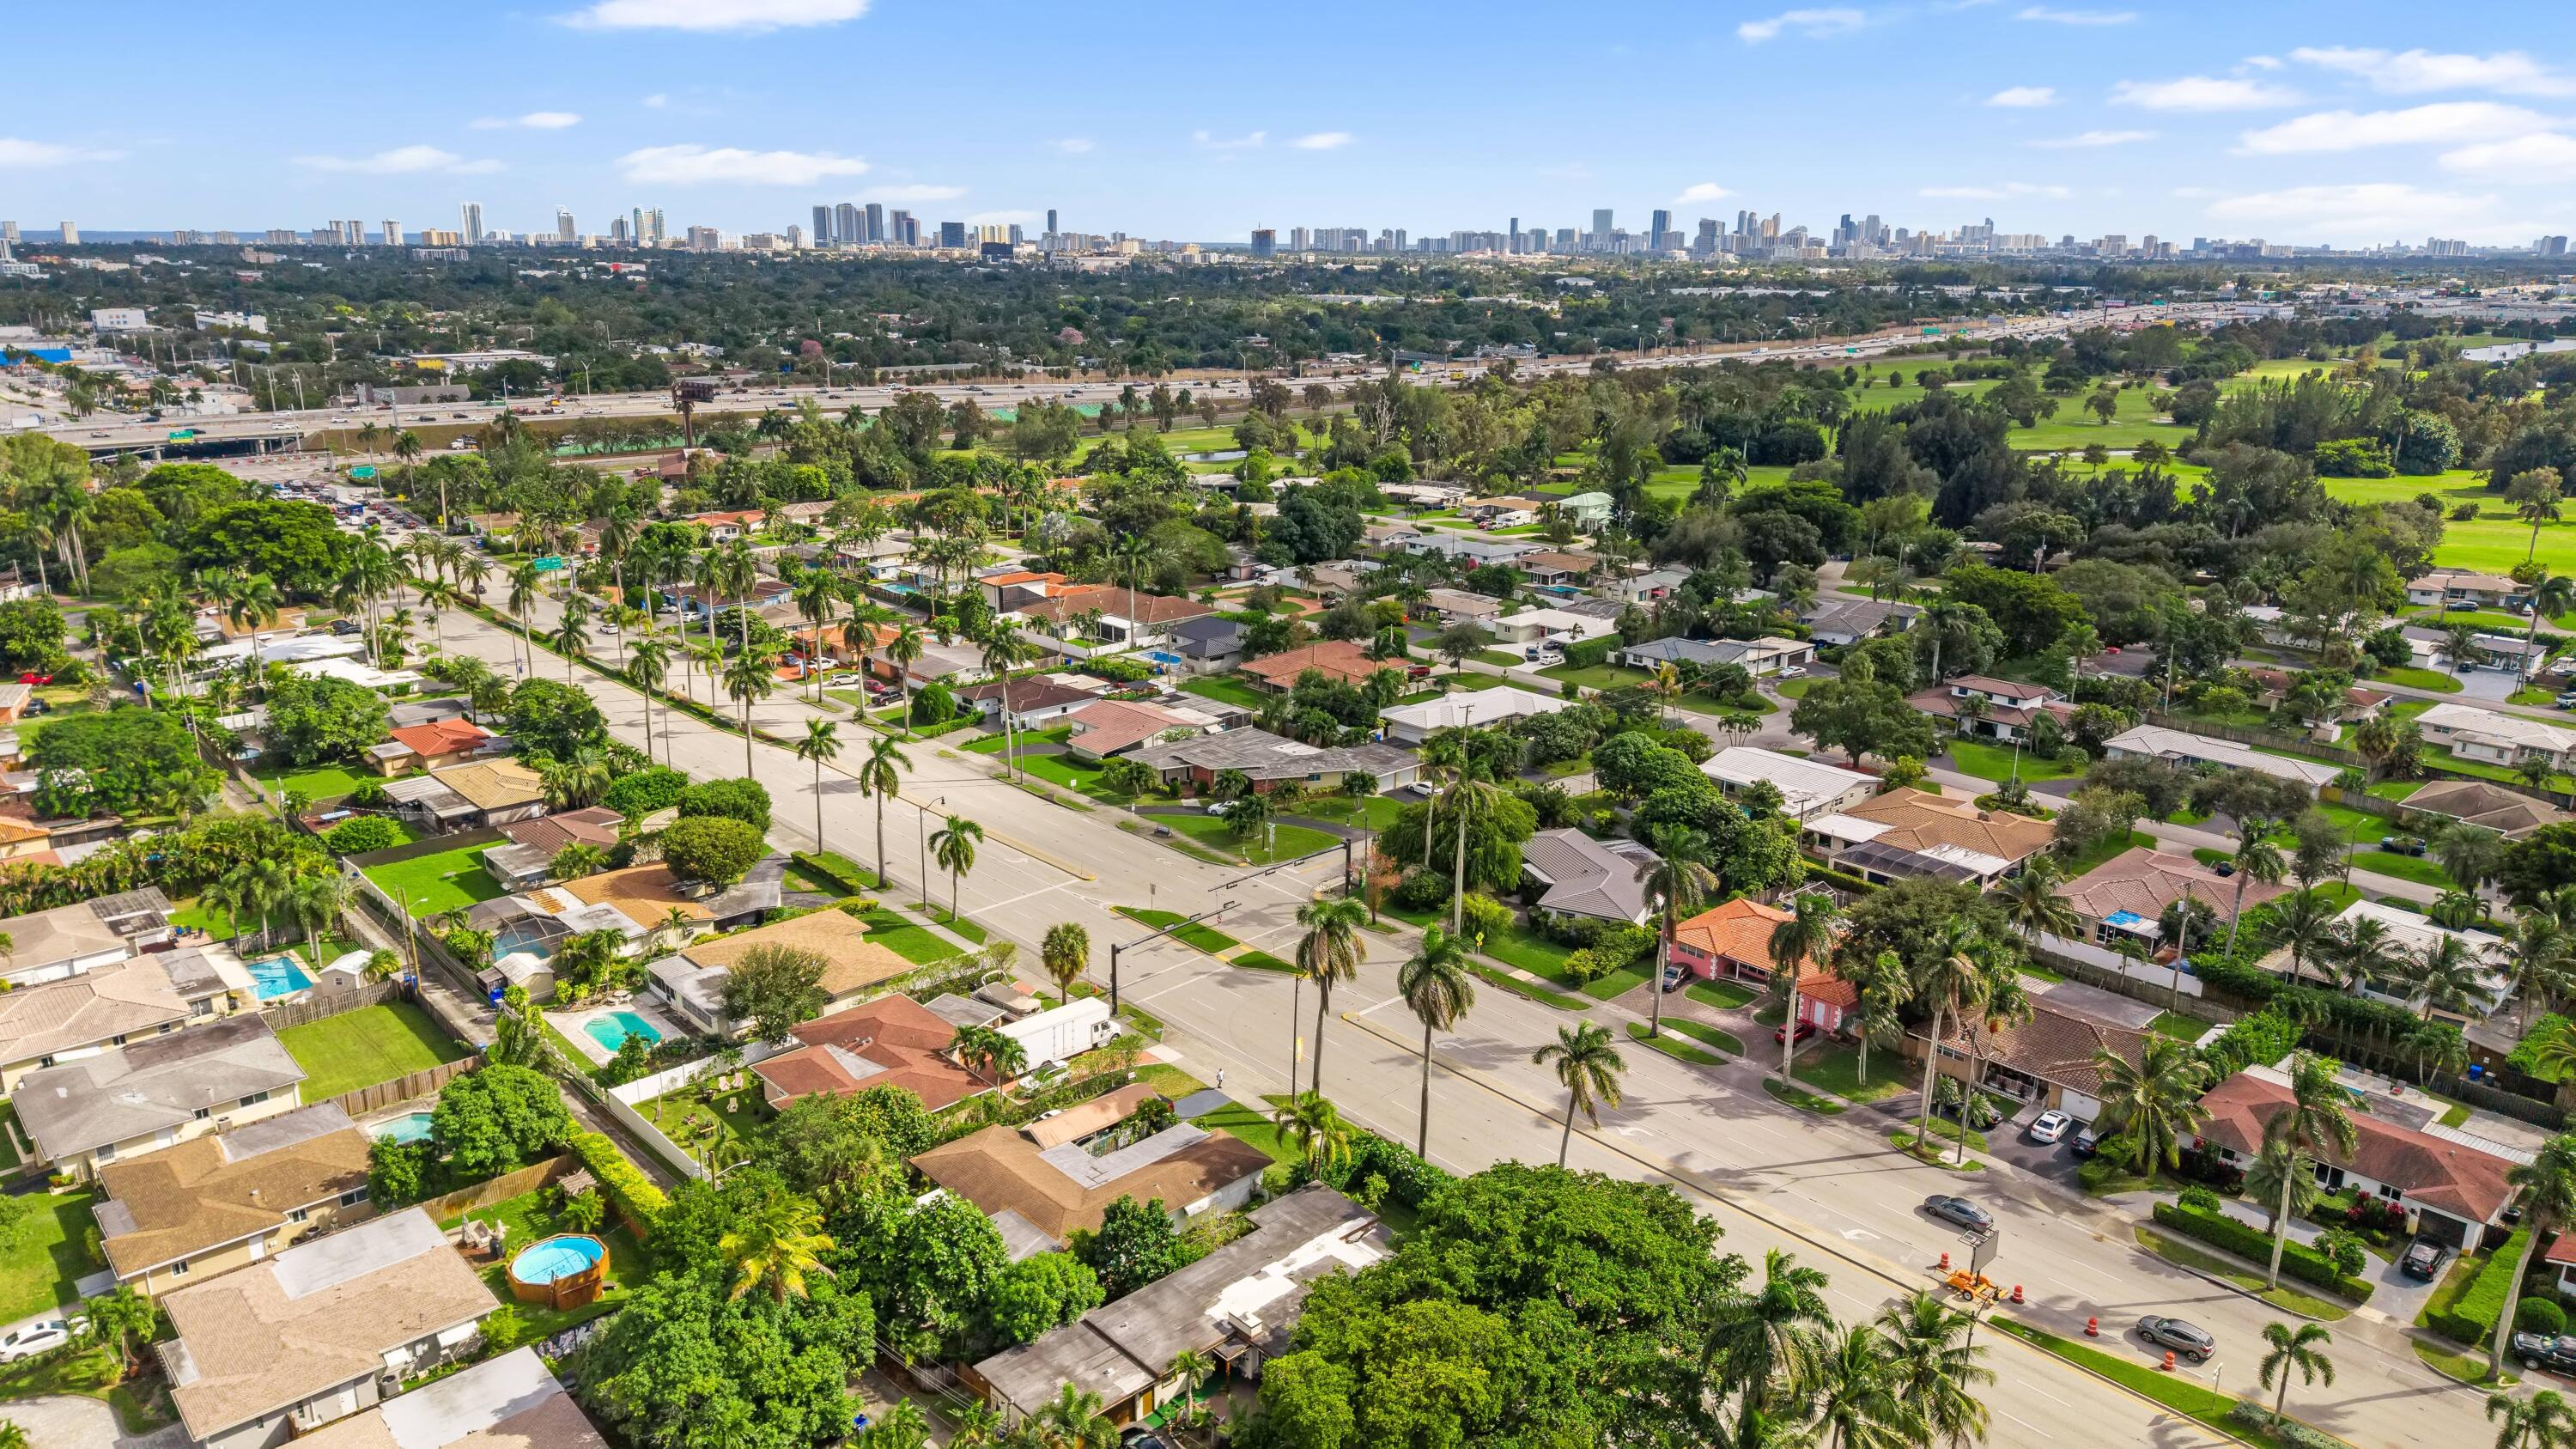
[[618, 235], [8, 231], [1050, 221], [564, 233], [635, 226], [904, 230], [823, 233], [1601, 229], [1660, 235], [393, 232], [847, 228], [952, 235], [876, 223], [71, 235], [705, 239], [795, 238], [1265, 242], [471, 215]]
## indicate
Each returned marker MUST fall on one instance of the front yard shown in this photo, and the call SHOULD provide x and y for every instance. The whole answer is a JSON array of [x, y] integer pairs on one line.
[[363, 1047], [1988, 761], [429, 885], [51, 1253], [1286, 842]]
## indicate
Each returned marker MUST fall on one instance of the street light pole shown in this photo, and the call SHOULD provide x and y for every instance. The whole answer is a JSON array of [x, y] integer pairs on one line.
[[921, 839]]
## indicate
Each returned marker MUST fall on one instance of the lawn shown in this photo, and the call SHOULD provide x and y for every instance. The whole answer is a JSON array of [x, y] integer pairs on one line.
[[2413, 678], [320, 783], [1250, 1124], [1679, 1051], [2419, 869], [2181, 1393], [430, 885], [1376, 813], [2493, 542], [718, 1128], [1724, 995], [960, 925], [1802, 1099], [526, 1219], [1612, 676], [1219, 687], [1835, 1068], [1999, 762], [909, 939], [2218, 1265], [2103, 850], [363, 1047], [1705, 1034], [1287, 842], [2178, 1026], [37, 1270], [1202, 937], [1264, 961]]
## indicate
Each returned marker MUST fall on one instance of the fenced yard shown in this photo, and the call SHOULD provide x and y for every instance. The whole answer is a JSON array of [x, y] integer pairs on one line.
[[428, 885], [361, 1048]]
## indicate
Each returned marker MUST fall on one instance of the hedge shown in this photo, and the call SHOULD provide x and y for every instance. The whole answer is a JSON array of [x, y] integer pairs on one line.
[[2246, 1241], [2471, 1317], [2289, 1431], [1589, 652], [1409, 1179], [835, 867], [632, 1193]]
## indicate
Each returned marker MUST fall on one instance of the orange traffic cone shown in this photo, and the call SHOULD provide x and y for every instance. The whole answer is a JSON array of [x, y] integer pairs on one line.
[[2169, 1361], [2092, 1328], [1945, 1262], [2016, 1292]]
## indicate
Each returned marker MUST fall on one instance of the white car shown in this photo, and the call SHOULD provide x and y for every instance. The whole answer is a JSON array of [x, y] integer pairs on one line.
[[2050, 1126], [1793, 671], [35, 1338]]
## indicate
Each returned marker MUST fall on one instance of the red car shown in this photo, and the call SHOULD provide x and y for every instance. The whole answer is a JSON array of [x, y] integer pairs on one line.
[[1806, 1029], [32, 677]]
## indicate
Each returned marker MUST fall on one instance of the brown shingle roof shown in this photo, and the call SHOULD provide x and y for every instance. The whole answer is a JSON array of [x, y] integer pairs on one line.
[[119, 1000], [213, 1190], [492, 784], [2053, 1046], [1919, 821], [643, 892], [856, 962], [2146, 880], [998, 1170], [1149, 608], [2453, 1178], [1337, 658], [597, 825], [1107, 726]]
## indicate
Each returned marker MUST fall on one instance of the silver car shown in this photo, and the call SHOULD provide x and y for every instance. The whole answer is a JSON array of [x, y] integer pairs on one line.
[[2190, 1340]]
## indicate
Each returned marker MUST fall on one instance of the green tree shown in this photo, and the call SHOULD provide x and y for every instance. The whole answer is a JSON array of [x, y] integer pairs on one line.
[[1588, 1066], [1041, 1292], [773, 988], [821, 744], [2155, 1104], [497, 1120], [881, 779], [682, 1365], [777, 1244], [1314, 1127], [2542, 1421], [1134, 1245], [1765, 1345], [953, 846], [711, 848], [2548, 1187], [1437, 983], [2300, 1350], [1805, 939], [1935, 1367], [1328, 954], [1676, 884], [2315, 1122]]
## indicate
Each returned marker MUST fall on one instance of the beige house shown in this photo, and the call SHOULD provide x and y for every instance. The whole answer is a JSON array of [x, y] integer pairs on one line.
[[65, 941], [131, 1100], [229, 1200], [693, 982], [510, 1402], [129, 1000]]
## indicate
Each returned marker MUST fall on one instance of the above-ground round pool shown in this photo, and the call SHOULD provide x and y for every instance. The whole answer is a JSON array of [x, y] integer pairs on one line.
[[566, 1271]]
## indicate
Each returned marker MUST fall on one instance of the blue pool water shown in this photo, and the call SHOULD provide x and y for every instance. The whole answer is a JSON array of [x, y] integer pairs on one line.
[[279, 976], [411, 1128], [555, 1258], [522, 938], [612, 1030]]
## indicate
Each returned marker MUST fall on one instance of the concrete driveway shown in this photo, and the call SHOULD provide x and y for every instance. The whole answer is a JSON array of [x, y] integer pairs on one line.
[[64, 1421]]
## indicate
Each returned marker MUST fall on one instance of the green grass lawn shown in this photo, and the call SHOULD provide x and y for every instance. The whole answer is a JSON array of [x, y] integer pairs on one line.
[[1264, 961], [1835, 1068], [2422, 870], [909, 939], [1250, 1124], [2493, 542], [363, 1047], [2190, 1255], [2104, 850], [1996, 762], [1498, 658], [1378, 812], [1287, 842], [1804, 1100], [2426, 679], [429, 885], [718, 1127], [1202, 937], [1794, 688], [525, 1219], [2178, 1026], [1495, 976], [1611, 676], [961, 925], [38, 1269], [1724, 995], [1680, 1051], [320, 782], [1705, 1035], [1220, 687]]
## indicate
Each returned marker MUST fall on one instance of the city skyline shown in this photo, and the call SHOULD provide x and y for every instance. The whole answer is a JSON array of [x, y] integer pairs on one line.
[[2295, 122]]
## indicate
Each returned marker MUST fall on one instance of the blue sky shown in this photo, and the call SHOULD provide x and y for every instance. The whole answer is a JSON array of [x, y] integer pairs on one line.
[[2292, 121]]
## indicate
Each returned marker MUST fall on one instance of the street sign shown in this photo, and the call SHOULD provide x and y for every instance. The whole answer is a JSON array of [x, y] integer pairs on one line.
[[363, 470], [1984, 1251]]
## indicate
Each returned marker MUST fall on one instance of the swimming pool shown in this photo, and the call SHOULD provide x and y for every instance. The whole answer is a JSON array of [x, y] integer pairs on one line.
[[534, 940], [279, 976], [556, 1258], [413, 1127], [613, 1028]]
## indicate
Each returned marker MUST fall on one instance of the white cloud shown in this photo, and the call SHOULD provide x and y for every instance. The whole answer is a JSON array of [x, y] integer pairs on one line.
[[1995, 193], [2091, 139], [656, 101], [532, 121], [2023, 98], [911, 193], [1323, 141], [704, 15], [401, 161], [1701, 191], [2543, 156], [2202, 93], [2368, 208], [2444, 121], [1001, 218], [1809, 24], [18, 153], [1250, 140], [2263, 62], [2076, 17], [694, 165], [1073, 145], [2414, 72]]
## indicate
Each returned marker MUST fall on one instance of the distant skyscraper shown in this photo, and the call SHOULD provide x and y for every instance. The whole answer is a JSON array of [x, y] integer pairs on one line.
[[1050, 221], [8, 231], [618, 235], [823, 233], [654, 231], [564, 232], [1662, 234], [876, 223], [471, 213], [71, 235], [635, 226], [1265, 242], [904, 231], [952, 235], [847, 228], [393, 232], [1601, 227]]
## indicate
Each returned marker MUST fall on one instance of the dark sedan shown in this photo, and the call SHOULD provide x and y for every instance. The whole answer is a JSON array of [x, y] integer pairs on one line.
[[2540, 1350]]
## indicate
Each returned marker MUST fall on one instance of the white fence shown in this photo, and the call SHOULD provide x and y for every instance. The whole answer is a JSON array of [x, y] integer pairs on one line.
[[671, 1079], [2145, 973], [620, 1103]]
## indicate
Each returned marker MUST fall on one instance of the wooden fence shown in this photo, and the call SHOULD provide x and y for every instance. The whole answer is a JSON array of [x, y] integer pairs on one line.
[[409, 1087], [322, 1006], [500, 1189]]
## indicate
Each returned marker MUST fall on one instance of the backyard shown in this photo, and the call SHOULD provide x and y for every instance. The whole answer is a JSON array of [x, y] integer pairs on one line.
[[363, 1047], [1999, 763], [717, 1127], [430, 885], [533, 1216], [317, 783]]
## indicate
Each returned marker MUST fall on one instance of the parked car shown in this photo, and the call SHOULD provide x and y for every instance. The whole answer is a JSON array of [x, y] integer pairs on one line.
[[32, 677], [2534, 1350], [2191, 1341], [2401, 845], [2425, 1258], [37, 1337], [1958, 1210], [1676, 977], [1780, 1033], [2050, 1126], [1793, 671], [2567, 700], [2085, 1141]]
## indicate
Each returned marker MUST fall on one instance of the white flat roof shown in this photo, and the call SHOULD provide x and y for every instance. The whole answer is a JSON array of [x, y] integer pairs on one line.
[[1800, 781], [1475, 707]]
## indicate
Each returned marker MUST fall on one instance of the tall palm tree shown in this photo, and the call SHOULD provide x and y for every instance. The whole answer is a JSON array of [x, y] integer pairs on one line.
[[648, 667], [1950, 985], [953, 846], [822, 744], [2542, 1421], [1676, 884], [525, 585], [1436, 983], [776, 1243], [2314, 1121], [1066, 954], [2255, 858], [2536, 963], [2301, 1350], [1856, 1402], [880, 776], [2154, 1104], [1764, 1345], [703, 656], [815, 594], [1935, 1366], [2548, 1186], [905, 650], [2552, 596], [2460, 648], [1807, 937], [2304, 923], [2449, 977], [1315, 1128], [1328, 954], [1588, 1066], [749, 675], [1003, 652]]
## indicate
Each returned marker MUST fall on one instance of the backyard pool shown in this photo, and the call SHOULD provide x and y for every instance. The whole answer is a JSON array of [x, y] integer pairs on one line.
[[537, 941], [556, 1258], [279, 976], [611, 1029], [412, 1127]]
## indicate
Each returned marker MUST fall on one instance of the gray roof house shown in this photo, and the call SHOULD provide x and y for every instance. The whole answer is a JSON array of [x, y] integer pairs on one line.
[[150, 1094], [1211, 643], [1848, 621], [1267, 758], [1581, 876]]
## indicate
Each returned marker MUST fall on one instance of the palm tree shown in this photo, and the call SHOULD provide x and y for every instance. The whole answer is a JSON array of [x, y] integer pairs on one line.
[[776, 1243], [1934, 1365], [1436, 983], [1328, 954], [572, 635], [525, 585], [1806, 937], [2155, 1104], [2302, 1349], [1766, 1344], [1004, 652], [2305, 923], [1588, 1066], [2314, 1121], [1856, 1403], [2031, 902], [905, 649], [648, 667], [2449, 977], [2548, 1186], [880, 775], [822, 743], [1676, 884], [2256, 858], [1066, 953], [815, 594], [2552, 596], [1315, 1128], [1193, 1369], [953, 846], [2460, 647], [2542, 1421], [1951, 983], [1072, 1420], [750, 675]]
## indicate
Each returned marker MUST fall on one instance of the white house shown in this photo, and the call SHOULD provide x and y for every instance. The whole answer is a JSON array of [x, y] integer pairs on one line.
[[1807, 788], [2154, 742], [2495, 738], [1410, 724], [1552, 626]]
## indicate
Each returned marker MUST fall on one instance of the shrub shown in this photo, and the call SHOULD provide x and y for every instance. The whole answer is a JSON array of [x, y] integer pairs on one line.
[[640, 794], [2200, 1198], [836, 868], [2289, 1431], [2298, 1260], [2343, 1249], [933, 705], [712, 848], [2540, 1315], [629, 1191], [1590, 652], [1422, 890], [365, 833], [1484, 917], [2471, 1317], [743, 800]]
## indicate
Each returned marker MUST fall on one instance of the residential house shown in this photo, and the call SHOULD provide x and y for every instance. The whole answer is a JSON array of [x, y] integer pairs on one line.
[[693, 981], [1268, 759], [1039, 1197], [1032, 701], [888, 1042], [725, 528], [1336, 659], [1206, 646], [1339, 577], [1411, 724], [1839, 622], [2494, 738], [1550, 568], [495, 791], [1808, 788], [2054, 1058], [693, 602], [1012, 587], [68, 940], [1647, 587], [148, 1095], [1491, 513], [70, 1017], [1993, 709], [2452, 1187], [1907, 833], [510, 1402], [433, 746], [225, 1201], [403, 713], [1127, 619], [2415, 937], [1559, 627], [1467, 551], [1459, 606], [2480, 803], [1757, 657], [1576, 875], [596, 826], [2462, 589], [2510, 653], [319, 1332], [1732, 942], [2154, 742], [2121, 900], [1585, 510], [647, 894], [1107, 727], [2271, 686], [1424, 495], [1236, 1308]]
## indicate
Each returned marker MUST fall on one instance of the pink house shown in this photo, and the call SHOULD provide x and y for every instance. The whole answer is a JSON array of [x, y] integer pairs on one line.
[[1733, 942]]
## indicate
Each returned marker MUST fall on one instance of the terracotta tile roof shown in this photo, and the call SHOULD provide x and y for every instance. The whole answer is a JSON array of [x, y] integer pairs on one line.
[[2053, 1046], [1829, 988], [1337, 658], [597, 825], [2145, 880], [219, 1189], [891, 1041], [999, 1171], [1150, 608], [2437, 1173], [1107, 726], [1097, 1115], [1028, 693], [440, 737], [1739, 930]]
